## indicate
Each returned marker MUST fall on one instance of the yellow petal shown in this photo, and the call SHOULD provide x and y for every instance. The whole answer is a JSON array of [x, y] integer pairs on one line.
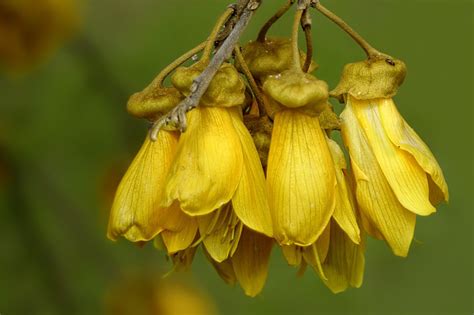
[[407, 179], [293, 254], [344, 265], [301, 179], [136, 212], [251, 260], [179, 240], [313, 258], [208, 164], [224, 269], [404, 137], [250, 201], [376, 200], [221, 237], [322, 244], [344, 212]]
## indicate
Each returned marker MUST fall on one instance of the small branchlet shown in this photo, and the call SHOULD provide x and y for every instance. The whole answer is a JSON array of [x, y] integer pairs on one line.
[[177, 116]]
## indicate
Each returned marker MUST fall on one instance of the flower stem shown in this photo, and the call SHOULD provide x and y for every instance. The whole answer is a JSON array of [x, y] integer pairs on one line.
[[158, 81], [253, 85], [294, 39], [263, 31], [306, 24], [369, 50]]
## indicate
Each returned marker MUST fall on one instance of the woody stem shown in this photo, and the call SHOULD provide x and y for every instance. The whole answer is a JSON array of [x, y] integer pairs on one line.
[[215, 33]]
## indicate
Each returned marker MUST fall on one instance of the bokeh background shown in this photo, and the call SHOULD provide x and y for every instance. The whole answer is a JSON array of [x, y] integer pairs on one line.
[[65, 140]]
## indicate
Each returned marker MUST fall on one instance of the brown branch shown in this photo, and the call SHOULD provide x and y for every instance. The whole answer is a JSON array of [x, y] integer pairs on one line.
[[177, 116]]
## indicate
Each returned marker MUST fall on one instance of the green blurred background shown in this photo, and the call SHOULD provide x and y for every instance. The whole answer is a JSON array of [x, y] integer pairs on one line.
[[65, 136]]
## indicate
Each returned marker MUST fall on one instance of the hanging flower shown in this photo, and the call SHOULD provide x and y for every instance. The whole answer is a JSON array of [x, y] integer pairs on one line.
[[397, 176]]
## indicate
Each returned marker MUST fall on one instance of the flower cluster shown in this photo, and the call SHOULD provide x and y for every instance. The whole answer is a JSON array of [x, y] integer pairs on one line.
[[257, 166]]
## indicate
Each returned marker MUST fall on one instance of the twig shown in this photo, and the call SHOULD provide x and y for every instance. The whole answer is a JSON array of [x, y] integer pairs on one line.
[[253, 85], [177, 116]]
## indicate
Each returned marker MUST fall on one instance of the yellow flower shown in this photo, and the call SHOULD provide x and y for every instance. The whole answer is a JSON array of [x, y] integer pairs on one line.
[[147, 293], [31, 29], [300, 174], [216, 160], [338, 254], [397, 176], [136, 213]]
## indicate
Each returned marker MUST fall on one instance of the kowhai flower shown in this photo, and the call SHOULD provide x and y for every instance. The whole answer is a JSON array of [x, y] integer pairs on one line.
[[397, 176]]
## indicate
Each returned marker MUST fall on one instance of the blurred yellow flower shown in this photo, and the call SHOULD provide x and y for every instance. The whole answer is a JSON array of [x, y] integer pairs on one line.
[[31, 29], [151, 295]]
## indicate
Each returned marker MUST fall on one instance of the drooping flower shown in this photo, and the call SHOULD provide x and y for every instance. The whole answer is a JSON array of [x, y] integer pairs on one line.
[[136, 212], [338, 254], [397, 176], [216, 161], [300, 174]]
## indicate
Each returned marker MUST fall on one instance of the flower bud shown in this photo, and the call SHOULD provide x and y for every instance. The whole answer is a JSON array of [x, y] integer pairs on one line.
[[226, 89], [371, 79]]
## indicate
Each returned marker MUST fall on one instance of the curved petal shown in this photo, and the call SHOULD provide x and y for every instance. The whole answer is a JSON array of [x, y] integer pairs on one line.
[[221, 235], [322, 243], [313, 258], [250, 261], [208, 164], [404, 137], [407, 179], [344, 265], [376, 200], [301, 179], [182, 239], [344, 212], [250, 201], [136, 212]]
